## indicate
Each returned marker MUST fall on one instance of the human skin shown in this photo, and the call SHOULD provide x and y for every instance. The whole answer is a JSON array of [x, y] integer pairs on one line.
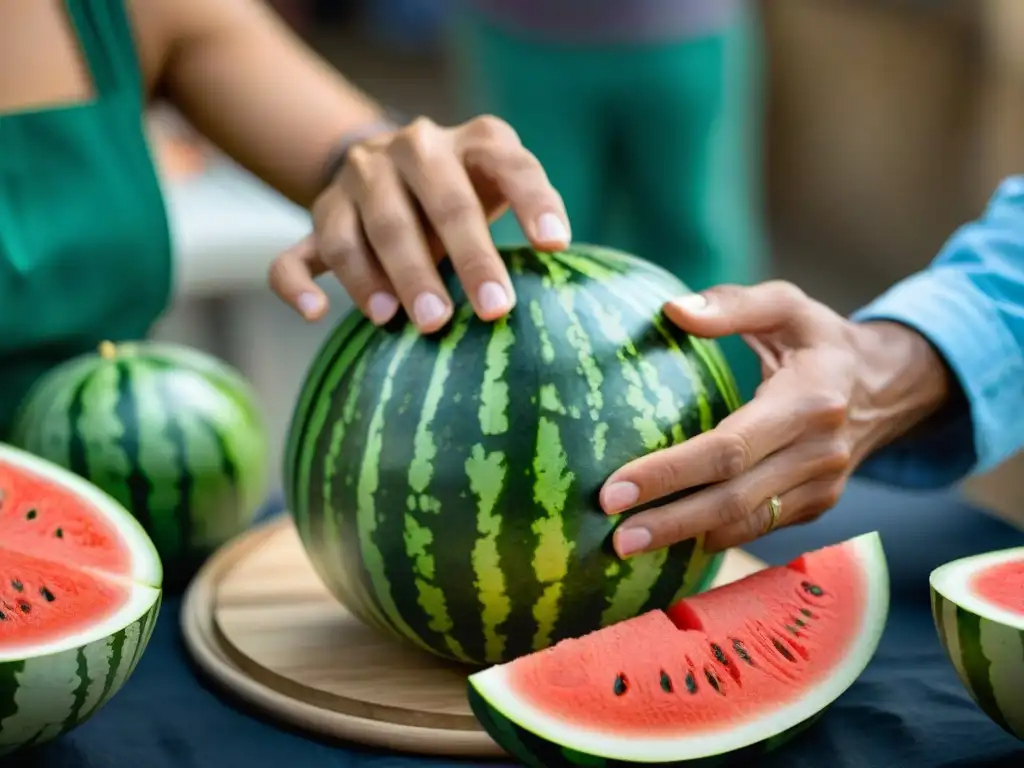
[[834, 391], [255, 90]]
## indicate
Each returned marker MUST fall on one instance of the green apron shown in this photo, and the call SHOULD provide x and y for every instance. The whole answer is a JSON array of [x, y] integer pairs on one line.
[[85, 251]]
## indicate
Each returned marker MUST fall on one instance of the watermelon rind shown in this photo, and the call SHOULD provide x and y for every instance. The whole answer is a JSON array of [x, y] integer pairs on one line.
[[173, 434], [147, 569], [445, 486], [984, 642], [495, 701], [54, 688], [46, 689]]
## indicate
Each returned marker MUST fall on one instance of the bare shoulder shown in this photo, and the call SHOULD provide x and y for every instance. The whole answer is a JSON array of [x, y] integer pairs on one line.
[[164, 27]]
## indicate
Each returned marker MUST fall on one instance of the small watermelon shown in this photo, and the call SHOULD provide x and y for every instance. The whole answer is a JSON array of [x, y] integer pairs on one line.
[[173, 434], [80, 591], [734, 671], [978, 606], [446, 486]]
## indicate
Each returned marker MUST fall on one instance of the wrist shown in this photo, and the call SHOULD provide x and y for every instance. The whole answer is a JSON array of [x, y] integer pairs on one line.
[[903, 381], [387, 122]]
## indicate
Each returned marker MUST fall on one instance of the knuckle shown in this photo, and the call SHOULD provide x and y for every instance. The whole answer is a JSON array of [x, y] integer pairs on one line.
[[828, 409], [339, 246], [450, 208], [278, 273], [756, 523], [732, 507], [733, 456], [385, 225], [493, 128], [417, 140], [836, 456], [661, 478], [786, 292], [360, 162]]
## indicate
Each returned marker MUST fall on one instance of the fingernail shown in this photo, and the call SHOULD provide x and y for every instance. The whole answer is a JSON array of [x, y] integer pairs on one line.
[[428, 309], [631, 540], [695, 303], [492, 298], [382, 307], [551, 229], [619, 496], [309, 303]]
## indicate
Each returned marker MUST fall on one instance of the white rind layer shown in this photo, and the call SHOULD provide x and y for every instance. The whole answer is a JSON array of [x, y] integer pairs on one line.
[[146, 566], [952, 581], [493, 687], [140, 600]]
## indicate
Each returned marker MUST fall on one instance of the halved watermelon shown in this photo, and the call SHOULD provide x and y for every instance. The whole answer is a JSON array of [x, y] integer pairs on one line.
[[79, 597], [978, 606], [741, 666]]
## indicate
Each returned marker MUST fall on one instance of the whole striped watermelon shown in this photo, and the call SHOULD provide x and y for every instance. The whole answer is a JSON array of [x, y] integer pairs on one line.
[[446, 487], [172, 433]]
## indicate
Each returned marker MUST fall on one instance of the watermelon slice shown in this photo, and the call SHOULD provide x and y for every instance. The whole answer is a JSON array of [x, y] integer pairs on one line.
[[79, 596], [978, 606], [740, 667]]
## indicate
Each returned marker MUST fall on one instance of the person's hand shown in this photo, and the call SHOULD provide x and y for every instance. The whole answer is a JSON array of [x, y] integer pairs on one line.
[[402, 201], [833, 392]]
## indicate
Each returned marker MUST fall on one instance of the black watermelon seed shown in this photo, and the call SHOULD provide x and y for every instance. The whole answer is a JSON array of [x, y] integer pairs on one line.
[[691, 684], [781, 648], [807, 613], [47, 594], [812, 589], [713, 680], [620, 685], [25, 607], [737, 645], [18, 586], [31, 514], [59, 533], [720, 654], [666, 682]]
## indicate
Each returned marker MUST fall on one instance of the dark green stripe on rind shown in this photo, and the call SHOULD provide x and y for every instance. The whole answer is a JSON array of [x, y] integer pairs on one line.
[[45, 697], [536, 752], [171, 433], [462, 435], [323, 363], [961, 632]]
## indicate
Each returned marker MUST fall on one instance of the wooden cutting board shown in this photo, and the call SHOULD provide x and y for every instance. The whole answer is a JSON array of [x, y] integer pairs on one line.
[[260, 623]]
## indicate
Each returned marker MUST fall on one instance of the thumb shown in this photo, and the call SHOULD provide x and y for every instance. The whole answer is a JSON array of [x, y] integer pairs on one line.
[[727, 310]]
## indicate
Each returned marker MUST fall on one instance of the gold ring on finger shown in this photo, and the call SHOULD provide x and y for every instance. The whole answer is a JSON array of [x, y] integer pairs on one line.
[[774, 510]]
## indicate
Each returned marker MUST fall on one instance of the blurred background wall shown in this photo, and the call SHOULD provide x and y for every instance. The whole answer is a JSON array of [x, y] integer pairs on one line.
[[889, 123]]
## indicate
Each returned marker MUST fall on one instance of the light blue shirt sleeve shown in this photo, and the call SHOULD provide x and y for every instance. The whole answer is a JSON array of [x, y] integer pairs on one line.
[[969, 303]]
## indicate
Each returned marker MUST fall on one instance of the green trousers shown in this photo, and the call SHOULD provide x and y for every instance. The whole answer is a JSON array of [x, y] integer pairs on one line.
[[653, 147]]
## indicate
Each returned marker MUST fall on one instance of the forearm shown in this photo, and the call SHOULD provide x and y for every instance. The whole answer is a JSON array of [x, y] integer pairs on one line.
[[258, 92]]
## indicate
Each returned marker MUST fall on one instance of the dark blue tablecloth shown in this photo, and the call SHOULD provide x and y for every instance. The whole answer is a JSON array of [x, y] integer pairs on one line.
[[908, 709]]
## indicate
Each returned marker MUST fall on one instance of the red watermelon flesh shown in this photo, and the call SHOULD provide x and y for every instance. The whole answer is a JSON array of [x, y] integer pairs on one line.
[[717, 672], [71, 559], [1002, 586], [45, 599], [38, 518]]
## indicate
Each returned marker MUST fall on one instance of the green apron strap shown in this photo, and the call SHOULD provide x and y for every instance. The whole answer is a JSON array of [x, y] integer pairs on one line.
[[105, 34]]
